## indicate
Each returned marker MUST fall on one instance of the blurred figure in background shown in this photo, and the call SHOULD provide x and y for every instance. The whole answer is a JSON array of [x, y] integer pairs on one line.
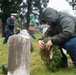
[[32, 25], [9, 29]]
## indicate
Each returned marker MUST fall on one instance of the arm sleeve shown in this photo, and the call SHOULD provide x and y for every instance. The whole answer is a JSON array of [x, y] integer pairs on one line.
[[46, 34], [10, 22], [68, 25]]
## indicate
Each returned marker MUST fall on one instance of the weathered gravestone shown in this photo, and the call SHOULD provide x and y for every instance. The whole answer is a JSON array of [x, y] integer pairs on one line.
[[19, 54]]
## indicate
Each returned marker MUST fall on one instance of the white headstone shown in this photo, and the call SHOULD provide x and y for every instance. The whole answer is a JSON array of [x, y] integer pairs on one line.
[[19, 54]]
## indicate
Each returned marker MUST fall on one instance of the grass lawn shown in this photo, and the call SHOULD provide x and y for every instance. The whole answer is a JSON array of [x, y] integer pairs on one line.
[[37, 66]]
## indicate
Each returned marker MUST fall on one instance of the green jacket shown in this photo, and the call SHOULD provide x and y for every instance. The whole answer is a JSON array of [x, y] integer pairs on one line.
[[32, 20], [63, 27]]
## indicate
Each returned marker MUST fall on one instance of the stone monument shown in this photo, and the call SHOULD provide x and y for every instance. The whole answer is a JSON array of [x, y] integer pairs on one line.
[[19, 54]]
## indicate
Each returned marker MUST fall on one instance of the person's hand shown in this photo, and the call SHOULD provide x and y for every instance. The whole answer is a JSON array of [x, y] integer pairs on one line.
[[49, 44], [41, 44]]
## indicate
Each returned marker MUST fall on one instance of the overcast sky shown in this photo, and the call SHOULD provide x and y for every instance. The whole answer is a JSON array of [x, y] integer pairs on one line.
[[61, 5], [24, 0]]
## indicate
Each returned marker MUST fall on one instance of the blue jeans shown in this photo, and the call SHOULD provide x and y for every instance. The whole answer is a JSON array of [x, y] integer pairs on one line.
[[70, 46]]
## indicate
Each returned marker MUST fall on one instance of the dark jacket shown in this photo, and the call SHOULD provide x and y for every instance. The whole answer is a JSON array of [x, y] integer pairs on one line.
[[9, 24], [63, 27]]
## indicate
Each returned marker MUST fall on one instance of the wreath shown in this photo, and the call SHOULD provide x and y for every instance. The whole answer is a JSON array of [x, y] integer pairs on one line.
[[52, 57]]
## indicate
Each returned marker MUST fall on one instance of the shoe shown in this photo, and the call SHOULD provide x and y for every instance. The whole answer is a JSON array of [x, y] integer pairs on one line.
[[63, 65], [4, 43]]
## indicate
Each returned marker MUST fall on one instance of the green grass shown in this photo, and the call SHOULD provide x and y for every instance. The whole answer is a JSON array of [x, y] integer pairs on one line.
[[37, 66]]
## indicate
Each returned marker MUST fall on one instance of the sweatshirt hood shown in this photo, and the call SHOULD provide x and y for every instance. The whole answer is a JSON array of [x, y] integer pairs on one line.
[[32, 16], [49, 14]]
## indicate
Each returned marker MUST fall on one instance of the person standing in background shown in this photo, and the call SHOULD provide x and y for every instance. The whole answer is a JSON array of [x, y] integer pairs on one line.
[[32, 25], [9, 28]]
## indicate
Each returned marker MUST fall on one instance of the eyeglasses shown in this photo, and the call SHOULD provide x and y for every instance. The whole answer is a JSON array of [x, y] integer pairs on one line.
[[48, 22]]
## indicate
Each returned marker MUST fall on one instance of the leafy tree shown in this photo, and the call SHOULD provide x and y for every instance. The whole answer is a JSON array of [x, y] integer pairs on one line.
[[13, 6], [33, 6], [72, 3], [8, 7]]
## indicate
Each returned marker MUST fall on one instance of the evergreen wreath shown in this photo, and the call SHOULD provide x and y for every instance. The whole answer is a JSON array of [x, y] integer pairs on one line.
[[52, 57]]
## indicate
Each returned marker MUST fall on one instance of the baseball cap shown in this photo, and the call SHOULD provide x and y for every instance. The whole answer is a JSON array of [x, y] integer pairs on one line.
[[13, 14]]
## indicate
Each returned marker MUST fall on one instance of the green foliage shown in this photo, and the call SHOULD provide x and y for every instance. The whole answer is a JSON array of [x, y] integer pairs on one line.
[[9, 6], [18, 23], [37, 66], [32, 48], [52, 57]]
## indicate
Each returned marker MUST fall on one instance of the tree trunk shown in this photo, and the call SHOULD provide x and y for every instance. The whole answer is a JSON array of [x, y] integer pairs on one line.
[[29, 11], [3, 28]]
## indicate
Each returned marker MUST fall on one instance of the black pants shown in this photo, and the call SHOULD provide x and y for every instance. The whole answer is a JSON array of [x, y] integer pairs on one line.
[[8, 33], [31, 33]]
